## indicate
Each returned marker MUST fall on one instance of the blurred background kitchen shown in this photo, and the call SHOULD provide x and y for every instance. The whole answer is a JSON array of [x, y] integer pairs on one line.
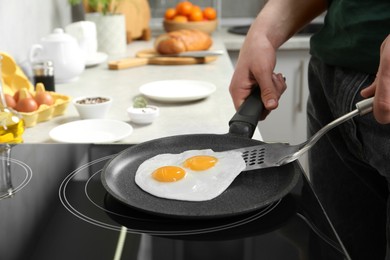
[[24, 22]]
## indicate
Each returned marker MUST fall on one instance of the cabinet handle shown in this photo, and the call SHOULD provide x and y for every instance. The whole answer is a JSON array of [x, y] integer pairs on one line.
[[301, 83]]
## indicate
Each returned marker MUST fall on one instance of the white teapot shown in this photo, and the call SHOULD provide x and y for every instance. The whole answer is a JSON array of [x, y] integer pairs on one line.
[[65, 53]]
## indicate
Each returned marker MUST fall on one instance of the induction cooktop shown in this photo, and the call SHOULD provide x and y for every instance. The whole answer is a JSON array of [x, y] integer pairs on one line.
[[305, 31], [59, 209]]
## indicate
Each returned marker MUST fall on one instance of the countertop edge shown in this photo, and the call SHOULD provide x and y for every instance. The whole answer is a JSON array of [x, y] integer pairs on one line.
[[234, 42]]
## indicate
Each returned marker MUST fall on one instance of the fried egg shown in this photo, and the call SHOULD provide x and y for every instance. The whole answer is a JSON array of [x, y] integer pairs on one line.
[[194, 175]]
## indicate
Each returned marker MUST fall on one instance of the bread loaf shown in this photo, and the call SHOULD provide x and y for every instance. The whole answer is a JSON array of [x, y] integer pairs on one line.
[[182, 40]]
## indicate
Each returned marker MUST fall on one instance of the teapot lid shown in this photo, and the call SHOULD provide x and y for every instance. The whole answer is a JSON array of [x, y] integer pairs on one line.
[[58, 35]]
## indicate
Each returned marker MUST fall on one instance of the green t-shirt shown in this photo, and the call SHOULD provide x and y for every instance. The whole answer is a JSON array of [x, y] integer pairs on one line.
[[352, 34]]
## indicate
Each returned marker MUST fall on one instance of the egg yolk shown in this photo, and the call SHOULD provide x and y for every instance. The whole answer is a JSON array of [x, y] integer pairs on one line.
[[200, 162], [168, 174]]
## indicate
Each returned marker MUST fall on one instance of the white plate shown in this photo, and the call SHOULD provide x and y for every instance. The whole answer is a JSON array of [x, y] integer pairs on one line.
[[96, 59], [177, 90], [91, 131]]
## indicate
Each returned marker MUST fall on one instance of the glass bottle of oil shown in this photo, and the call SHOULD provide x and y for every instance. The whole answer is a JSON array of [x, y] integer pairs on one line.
[[11, 122]]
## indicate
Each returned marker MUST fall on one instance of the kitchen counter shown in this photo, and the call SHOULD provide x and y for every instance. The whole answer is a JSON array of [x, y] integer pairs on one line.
[[210, 115], [233, 42]]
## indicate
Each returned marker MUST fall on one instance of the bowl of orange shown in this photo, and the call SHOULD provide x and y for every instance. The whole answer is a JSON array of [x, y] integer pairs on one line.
[[186, 15]]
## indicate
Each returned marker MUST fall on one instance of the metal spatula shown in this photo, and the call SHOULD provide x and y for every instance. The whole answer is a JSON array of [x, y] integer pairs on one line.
[[276, 154]]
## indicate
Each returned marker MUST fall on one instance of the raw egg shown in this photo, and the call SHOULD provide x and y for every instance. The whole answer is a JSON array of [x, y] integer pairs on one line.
[[44, 98], [10, 101], [26, 105]]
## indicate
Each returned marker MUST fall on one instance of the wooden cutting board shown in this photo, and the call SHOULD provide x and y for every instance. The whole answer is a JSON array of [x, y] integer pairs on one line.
[[137, 16], [149, 56]]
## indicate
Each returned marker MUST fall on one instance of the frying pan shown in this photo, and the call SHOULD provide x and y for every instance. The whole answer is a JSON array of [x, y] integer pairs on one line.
[[250, 191], [140, 222]]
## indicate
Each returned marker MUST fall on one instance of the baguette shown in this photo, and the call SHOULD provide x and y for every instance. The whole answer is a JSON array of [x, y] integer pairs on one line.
[[182, 40]]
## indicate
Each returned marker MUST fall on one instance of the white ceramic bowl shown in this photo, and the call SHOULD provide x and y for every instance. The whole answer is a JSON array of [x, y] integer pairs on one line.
[[143, 115], [92, 107]]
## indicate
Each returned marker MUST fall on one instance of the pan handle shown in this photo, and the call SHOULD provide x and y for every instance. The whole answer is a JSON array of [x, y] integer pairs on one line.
[[244, 122]]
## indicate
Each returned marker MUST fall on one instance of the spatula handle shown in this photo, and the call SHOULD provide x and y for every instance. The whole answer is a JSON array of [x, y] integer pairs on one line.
[[244, 122], [365, 106]]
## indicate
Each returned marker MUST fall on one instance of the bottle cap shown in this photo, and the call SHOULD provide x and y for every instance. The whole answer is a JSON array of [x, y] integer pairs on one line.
[[43, 68]]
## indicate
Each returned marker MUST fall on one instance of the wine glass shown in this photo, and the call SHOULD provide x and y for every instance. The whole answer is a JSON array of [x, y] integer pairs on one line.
[[6, 187]]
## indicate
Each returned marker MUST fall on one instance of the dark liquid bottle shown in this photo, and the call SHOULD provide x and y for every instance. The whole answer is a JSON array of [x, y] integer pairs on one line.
[[44, 73]]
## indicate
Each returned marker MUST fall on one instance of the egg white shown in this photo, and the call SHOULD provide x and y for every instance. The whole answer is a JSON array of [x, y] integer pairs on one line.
[[196, 185]]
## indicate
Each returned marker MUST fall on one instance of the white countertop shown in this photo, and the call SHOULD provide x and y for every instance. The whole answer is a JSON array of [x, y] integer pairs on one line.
[[210, 115]]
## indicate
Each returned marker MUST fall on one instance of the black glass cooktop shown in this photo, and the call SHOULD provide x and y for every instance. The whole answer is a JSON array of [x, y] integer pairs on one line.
[[60, 210]]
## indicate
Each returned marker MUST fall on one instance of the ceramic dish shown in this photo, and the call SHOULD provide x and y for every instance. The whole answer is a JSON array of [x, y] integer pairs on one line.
[[92, 107], [177, 90], [143, 115], [96, 59], [91, 131]]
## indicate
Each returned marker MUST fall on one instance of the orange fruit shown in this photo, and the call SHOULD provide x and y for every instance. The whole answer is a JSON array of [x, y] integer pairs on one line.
[[170, 13], [184, 8], [210, 13], [180, 19], [195, 8], [196, 16]]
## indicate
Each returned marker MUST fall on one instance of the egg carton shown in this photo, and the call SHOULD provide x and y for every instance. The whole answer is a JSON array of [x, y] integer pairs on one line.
[[45, 112], [13, 79]]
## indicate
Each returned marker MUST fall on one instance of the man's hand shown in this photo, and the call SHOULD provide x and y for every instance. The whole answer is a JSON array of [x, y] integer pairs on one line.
[[381, 86]]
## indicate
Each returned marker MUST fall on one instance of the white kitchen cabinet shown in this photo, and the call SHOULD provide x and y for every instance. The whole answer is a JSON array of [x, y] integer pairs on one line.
[[288, 122]]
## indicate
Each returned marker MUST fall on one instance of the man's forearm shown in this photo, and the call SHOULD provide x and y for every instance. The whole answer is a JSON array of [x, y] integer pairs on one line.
[[281, 19]]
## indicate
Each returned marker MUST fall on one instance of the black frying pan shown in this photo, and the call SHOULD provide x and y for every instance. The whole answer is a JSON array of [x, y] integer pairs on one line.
[[250, 191]]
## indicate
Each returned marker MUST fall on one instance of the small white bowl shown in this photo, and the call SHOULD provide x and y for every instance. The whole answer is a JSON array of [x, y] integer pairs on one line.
[[143, 115], [92, 107]]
